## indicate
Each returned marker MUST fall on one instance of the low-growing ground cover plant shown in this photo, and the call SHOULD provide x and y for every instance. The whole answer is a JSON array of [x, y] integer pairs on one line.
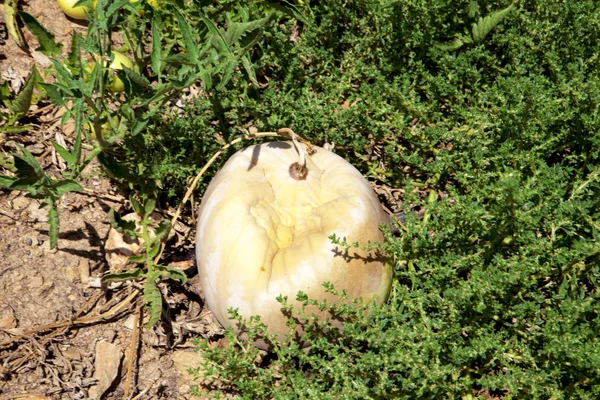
[[496, 139], [483, 115]]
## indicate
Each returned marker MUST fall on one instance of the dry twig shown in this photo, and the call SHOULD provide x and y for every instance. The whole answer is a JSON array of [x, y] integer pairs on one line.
[[392, 215], [89, 192], [133, 351], [7, 214], [76, 322]]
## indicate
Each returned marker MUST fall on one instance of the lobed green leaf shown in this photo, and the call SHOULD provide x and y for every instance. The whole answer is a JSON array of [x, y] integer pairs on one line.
[[22, 102], [121, 225], [65, 186], [45, 38], [153, 299], [125, 276], [173, 273], [485, 25]]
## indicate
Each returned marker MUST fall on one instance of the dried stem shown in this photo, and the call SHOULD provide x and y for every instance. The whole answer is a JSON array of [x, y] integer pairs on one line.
[[287, 132], [392, 215], [79, 321], [133, 351]]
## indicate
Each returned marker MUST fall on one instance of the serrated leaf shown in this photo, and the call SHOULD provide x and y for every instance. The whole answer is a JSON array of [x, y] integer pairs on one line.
[[186, 82], [249, 70], [485, 25], [177, 59], [138, 259], [153, 300], [453, 45], [188, 41], [173, 273], [137, 207], [221, 43], [290, 9], [74, 56], [97, 71], [115, 7], [162, 230], [64, 74], [237, 30], [64, 153], [134, 77], [473, 9], [206, 77], [27, 168], [25, 184], [120, 224], [22, 101], [251, 39], [54, 224], [139, 126], [6, 181], [85, 88], [149, 206], [4, 91], [53, 92], [154, 249], [10, 19], [48, 45], [64, 88], [130, 275], [66, 186], [229, 69]]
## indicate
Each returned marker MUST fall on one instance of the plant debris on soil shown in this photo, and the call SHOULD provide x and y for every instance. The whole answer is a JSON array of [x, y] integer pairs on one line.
[[54, 312], [63, 334]]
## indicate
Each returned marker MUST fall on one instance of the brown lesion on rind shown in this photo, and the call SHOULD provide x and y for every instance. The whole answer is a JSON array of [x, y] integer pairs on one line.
[[298, 171]]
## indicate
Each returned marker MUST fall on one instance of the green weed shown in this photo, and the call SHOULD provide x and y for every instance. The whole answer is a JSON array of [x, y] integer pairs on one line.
[[497, 287], [485, 114]]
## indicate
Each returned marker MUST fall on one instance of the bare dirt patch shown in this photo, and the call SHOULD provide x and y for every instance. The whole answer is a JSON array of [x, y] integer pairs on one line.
[[53, 314], [62, 333]]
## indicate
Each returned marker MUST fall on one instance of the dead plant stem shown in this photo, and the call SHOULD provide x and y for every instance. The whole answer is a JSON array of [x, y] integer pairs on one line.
[[80, 321], [133, 351]]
